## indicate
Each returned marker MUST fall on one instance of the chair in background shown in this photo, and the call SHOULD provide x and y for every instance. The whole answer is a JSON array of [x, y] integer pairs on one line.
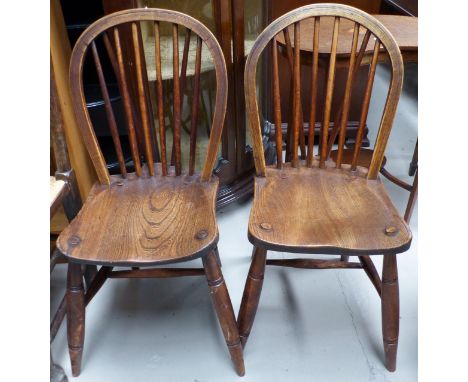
[[316, 205], [161, 213]]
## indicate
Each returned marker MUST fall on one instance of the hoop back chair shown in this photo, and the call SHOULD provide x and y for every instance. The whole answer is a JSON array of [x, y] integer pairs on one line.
[[161, 213], [315, 205]]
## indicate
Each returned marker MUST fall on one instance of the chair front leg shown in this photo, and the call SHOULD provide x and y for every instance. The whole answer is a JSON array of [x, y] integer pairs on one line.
[[390, 310], [252, 291], [75, 316], [224, 311]]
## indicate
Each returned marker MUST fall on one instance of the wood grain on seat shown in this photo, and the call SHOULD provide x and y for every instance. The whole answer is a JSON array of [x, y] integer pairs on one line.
[[312, 210], [147, 220]]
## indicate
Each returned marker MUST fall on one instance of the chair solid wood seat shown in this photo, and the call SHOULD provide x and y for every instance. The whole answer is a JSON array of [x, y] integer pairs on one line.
[[325, 211], [144, 221]]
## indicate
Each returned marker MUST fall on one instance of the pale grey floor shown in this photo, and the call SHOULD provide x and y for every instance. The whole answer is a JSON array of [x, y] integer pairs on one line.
[[311, 325]]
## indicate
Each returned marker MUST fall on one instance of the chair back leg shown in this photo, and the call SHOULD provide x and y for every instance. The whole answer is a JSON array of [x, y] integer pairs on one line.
[[75, 316], [224, 310], [252, 291], [390, 310]]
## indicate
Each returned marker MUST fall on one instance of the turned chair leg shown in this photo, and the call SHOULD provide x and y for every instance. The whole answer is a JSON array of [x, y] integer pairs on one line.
[[390, 310], [223, 307], [252, 291], [75, 316]]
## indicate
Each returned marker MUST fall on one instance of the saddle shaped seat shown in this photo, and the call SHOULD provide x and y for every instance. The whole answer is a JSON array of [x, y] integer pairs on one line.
[[325, 211], [144, 220]]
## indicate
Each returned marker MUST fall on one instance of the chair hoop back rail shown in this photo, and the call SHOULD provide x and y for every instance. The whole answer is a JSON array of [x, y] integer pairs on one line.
[[382, 39], [108, 29]]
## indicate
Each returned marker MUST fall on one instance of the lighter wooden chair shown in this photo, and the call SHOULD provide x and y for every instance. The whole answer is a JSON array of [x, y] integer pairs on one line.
[[315, 205], [159, 214]]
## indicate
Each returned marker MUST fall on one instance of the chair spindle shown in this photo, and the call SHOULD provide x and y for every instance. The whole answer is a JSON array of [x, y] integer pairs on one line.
[[195, 107], [109, 112], [365, 104], [290, 130], [183, 69], [337, 119], [296, 94], [313, 97], [111, 54], [347, 96], [159, 97], [142, 99], [175, 72], [329, 93], [127, 104], [289, 56], [277, 106]]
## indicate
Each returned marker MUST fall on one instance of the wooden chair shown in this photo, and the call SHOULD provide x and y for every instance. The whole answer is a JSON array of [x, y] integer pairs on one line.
[[159, 214], [315, 205]]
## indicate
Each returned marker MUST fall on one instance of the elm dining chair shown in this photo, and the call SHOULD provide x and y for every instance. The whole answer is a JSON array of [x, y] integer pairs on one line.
[[315, 205], [159, 213]]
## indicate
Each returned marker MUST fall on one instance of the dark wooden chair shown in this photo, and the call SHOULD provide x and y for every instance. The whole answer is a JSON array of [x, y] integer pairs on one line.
[[160, 213], [316, 205]]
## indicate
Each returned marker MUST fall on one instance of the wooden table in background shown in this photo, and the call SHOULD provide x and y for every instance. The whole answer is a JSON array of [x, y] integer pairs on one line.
[[403, 28]]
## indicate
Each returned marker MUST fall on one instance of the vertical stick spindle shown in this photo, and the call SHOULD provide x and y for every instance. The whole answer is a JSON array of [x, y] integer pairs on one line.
[[347, 96], [296, 94], [313, 98], [365, 105], [142, 99], [195, 107], [277, 107], [127, 104], [109, 112], [175, 71], [159, 96], [329, 93]]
